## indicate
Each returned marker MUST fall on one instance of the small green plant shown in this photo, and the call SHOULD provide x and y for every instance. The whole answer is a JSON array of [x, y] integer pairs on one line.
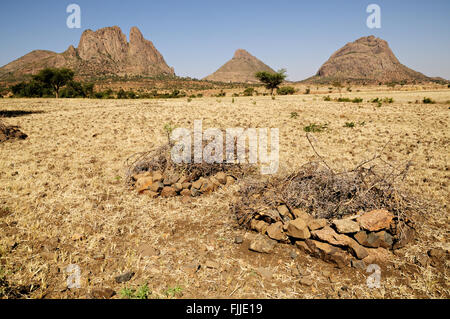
[[427, 100], [254, 102], [357, 100], [327, 98], [143, 292], [126, 293], [294, 115], [189, 100], [349, 124], [273, 97], [173, 292], [168, 128], [344, 99], [388, 100], [315, 128], [232, 100], [307, 91]]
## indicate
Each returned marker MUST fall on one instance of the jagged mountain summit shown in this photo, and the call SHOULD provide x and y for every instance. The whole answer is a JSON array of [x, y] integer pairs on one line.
[[241, 68], [368, 60], [102, 52]]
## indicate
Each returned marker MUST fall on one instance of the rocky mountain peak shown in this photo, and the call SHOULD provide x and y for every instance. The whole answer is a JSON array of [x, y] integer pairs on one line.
[[368, 59], [102, 52], [241, 68], [242, 54]]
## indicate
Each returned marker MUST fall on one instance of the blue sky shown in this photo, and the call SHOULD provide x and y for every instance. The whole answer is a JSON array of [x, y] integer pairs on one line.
[[197, 37]]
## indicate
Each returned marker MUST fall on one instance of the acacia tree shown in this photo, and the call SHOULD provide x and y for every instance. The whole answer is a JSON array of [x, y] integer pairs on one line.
[[54, 78], [271, 80]]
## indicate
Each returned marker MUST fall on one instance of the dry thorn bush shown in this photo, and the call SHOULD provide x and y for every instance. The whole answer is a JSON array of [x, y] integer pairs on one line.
[[160, 159], [324, 193]]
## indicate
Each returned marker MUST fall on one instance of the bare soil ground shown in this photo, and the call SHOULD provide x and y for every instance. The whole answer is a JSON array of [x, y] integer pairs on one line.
[[63, 199]]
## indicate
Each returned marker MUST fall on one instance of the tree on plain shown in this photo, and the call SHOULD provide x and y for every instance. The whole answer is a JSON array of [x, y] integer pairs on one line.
[[271, 80], [55, 78]]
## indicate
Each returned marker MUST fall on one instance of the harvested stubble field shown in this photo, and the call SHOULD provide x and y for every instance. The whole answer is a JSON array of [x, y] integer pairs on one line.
[[63, 198]]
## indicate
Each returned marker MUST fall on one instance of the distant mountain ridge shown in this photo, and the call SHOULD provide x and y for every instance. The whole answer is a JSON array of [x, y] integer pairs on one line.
[[368, 59], [241, 68], [102, 52], [106, 52]]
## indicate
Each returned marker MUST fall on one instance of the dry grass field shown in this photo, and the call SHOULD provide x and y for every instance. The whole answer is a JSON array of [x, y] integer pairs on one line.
[[63, 199]]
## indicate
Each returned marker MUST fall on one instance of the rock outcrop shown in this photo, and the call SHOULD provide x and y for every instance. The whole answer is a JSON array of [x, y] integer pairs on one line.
[[366, 60], [102, 52], [241, 68]]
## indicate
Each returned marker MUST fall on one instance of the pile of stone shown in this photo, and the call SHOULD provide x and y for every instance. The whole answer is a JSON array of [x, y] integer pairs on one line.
[[171, 184], [356, 240]]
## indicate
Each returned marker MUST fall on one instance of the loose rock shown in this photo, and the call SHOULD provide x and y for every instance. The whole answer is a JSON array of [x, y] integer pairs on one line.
[[265, 273], [328, 253], [168, 192], [346, 226], [297, 228], [283, 210], [316, 223], [124, 277], [306, 281], [275, 231], [262, 244], [102, 293], [375, 220]]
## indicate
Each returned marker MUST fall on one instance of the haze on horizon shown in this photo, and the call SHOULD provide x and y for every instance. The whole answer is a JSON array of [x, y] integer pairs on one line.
[[197, 37]]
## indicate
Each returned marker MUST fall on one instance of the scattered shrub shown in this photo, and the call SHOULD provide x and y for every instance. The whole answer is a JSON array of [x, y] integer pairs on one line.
[[349, 124], [427, 100], [31, 89], [285, 90], [122, 94], [315, 128], [248, 91], [221, 94]]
